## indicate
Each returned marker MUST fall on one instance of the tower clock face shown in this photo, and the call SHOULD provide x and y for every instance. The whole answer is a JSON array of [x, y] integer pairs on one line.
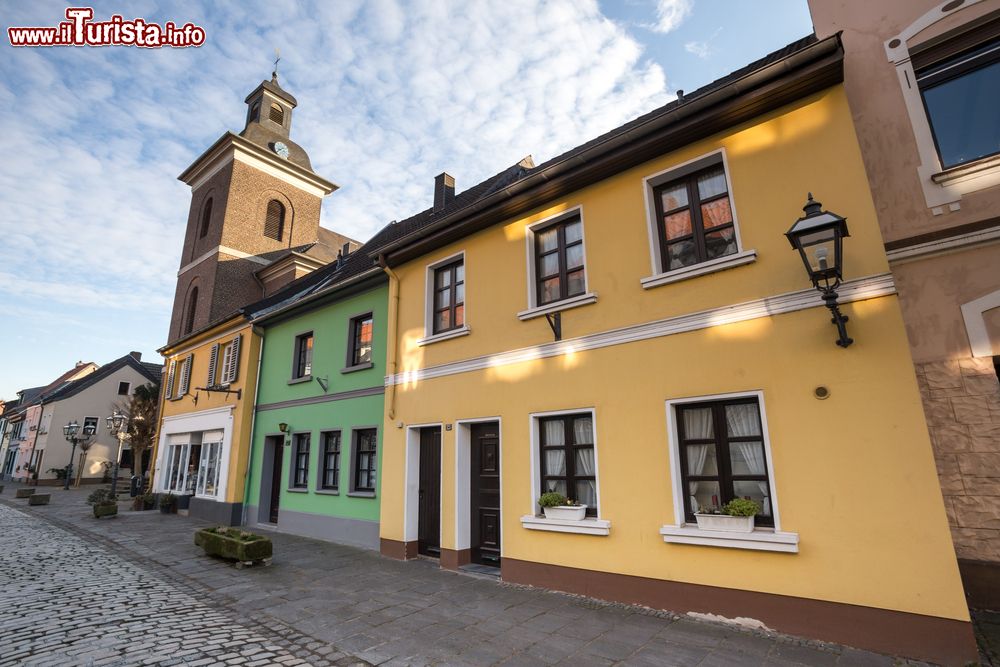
[[281, 149]]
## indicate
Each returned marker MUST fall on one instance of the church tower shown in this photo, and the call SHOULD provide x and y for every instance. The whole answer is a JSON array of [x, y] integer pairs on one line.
[[253, 225]]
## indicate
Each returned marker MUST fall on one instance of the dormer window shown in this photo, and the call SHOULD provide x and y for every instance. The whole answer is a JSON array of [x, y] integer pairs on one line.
[[274, 223], [276, 114]]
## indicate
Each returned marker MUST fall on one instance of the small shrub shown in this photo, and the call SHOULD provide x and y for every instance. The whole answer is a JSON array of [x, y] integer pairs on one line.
[[168, 500], [741, 507], [60, 473], [554, 499], [100, 497]]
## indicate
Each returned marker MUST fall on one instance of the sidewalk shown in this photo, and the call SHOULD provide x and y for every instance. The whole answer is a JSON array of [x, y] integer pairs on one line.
[[412, 613]]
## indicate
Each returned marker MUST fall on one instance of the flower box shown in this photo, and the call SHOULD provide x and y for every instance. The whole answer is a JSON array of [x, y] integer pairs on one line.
[[23, 493], [566, 512], [39, 499], [725, 523], [234, 544], [105, 509]]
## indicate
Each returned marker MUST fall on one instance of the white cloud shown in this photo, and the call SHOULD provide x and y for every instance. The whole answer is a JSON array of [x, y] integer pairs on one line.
[[702, 49], [670, 14], [389, 96]]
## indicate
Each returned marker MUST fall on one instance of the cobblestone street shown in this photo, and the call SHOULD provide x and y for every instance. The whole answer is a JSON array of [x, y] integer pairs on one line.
[[134, 590]]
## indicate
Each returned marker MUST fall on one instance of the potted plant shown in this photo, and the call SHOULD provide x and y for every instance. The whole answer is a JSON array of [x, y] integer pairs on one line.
[[146, 501], [557, 506], [233, 544], [168, 503], [103, 502], [736, 516]]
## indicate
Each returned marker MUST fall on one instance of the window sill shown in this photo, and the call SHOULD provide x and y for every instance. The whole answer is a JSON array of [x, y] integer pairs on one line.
[[304, 378], [565, 304], [989, 163], [761, 539], [361, 494], [297, 490], [444, 335], [359, 367], [589, 526], [701, 269], [326, 492]]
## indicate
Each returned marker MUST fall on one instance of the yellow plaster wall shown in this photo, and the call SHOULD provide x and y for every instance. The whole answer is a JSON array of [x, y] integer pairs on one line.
[[854, 475], [246, 381]]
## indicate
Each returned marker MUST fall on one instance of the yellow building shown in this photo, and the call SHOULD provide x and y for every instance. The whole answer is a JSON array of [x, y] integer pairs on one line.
[[206, 415], [627, 324]]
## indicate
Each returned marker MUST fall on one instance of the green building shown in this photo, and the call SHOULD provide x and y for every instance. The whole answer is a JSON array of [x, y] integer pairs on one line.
[[317, 435]]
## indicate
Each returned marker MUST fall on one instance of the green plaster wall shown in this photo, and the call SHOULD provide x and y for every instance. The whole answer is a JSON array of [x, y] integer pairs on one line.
[[329, 324]]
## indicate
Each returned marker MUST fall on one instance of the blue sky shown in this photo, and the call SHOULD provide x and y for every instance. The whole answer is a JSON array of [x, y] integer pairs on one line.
[[390, 93]]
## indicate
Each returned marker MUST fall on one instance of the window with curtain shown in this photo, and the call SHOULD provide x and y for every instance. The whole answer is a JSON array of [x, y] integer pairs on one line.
[[300, 468], [330, 473], [961, 95], [721, 447], [559, 270], [694, 219], [566, 448], [449, 297]]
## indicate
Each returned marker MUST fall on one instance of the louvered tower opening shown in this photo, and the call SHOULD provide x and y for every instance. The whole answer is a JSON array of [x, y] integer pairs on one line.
[[276, 114], [274, 225]]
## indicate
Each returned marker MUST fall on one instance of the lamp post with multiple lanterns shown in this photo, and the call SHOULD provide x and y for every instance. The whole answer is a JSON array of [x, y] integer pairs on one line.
[[70, 432], [118, 427], [819, 238]]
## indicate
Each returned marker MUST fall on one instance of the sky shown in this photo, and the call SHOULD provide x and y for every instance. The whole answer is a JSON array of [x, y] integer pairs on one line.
[[390, 94]]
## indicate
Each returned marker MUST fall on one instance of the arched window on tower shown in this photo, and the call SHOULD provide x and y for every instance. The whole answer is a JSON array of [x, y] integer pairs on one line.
[[206, 218], [274, 224], [255, 112], [192, 307], [276, 114]]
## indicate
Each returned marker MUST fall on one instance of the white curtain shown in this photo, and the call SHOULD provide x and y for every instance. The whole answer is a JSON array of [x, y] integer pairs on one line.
[[555, 462], [744, 421], [583, 431], [697, 425], [696, 455], [555, 435]]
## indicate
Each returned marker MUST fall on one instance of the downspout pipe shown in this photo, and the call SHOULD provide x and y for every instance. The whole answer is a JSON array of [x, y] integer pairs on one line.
[[392, 351], [259, 332]]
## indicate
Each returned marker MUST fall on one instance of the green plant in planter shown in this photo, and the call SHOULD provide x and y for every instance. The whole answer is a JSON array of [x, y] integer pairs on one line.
[[555, 499], [100, 496], [168, 502], [108, 508], [741, 507]]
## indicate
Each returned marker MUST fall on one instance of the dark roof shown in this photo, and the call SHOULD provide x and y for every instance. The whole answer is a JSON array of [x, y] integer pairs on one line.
[[411, 228], [274, 87], [150, 371]]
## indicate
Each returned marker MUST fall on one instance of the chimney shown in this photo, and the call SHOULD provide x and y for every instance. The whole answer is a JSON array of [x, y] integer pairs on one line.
[[444, 190], [136, 355], [346, 250]]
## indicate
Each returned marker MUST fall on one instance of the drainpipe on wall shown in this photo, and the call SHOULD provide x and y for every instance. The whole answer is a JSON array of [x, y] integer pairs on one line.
[[253, 424], [393, 326]]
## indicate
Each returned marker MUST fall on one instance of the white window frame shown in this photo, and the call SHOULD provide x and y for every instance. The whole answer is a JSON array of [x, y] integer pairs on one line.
[[533, 520], [660, 275], [464, 330], [222, 364], [97, 427], [192, 424], [763, 538], [941, 187], [534, 310], [201, 482]]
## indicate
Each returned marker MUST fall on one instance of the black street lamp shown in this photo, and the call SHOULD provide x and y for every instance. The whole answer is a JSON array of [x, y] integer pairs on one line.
[[70, 431], [118, 427], [819, 238]]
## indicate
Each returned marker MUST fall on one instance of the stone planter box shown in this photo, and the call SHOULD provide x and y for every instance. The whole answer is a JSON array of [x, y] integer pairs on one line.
[[105, 509], [24, 493], [231, 548], [1, 488], [566, 512], [725, 523], [39, 499], [184, 502]]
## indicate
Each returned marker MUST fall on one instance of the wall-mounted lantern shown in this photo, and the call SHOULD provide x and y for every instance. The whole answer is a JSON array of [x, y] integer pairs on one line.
[[819, 238]]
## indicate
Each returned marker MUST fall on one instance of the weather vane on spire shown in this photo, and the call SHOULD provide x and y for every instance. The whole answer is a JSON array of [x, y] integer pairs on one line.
[[277, 59]]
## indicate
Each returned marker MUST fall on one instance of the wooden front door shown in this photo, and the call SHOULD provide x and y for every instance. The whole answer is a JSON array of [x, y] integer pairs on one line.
[[485, 494], [278, 445], [429, 509]]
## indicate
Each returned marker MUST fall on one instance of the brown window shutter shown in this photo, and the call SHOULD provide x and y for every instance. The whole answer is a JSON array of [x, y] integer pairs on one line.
[[186, 375], [213, 361], [233, 372], [274, 223], [170, 378]]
